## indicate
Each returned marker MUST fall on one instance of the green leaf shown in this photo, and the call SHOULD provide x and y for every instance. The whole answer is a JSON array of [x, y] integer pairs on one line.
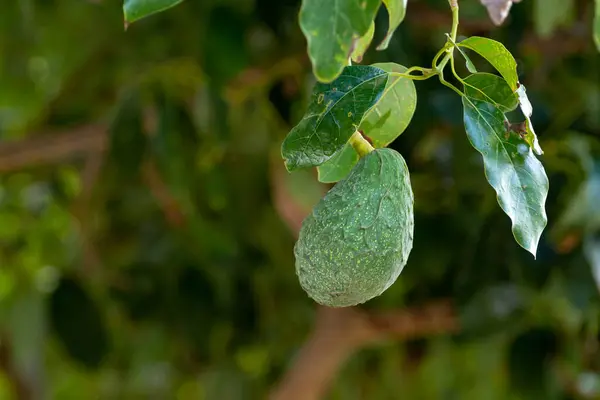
[[138, 9], [334, 114], [396, 11], [527, 109], [382, 124], [394, 110], [497, 55], [491, 88], [597, 25], [548, 15], [470, 66], [512, 170], [338, 166], [330, 27], [362, 44]]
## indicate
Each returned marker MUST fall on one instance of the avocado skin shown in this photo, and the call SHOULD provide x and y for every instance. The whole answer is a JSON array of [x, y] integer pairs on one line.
[[357, 239]]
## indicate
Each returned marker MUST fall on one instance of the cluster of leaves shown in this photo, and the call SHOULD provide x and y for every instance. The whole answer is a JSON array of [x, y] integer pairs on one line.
[[379, 101]]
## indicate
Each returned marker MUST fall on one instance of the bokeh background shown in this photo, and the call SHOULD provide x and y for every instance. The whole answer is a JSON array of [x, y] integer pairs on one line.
[[147, 222]]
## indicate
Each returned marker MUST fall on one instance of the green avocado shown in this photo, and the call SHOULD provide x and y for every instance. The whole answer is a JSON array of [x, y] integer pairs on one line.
[[357, 240]]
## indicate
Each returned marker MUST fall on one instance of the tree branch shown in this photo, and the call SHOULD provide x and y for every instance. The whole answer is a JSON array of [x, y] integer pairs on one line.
[[340, 332]]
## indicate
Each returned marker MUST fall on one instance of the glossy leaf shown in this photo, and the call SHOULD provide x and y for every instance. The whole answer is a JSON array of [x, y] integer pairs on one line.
[[512, 170], [383, 123], [396, 12], [134, 10], [597, 25], [394, 110], [491, 88], [334, 114], [527, 109], [330, 27], [362, 44], [497, 55]]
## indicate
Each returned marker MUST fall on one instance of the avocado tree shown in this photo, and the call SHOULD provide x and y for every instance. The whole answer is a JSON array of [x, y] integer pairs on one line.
[[238, 199]]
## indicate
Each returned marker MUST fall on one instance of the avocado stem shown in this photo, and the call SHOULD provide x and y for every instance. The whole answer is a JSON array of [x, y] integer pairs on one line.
[[360, 144]]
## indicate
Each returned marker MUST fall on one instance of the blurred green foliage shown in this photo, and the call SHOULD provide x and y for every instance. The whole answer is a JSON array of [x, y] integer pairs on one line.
[[171, 275]]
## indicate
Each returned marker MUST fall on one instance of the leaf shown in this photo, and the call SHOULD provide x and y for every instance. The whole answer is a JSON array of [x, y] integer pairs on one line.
[[134, 10], [498, 9], [396, 12], [338, 166], [511, 169], [78, 323], [390, 116], [597, 25], [491, 88], [334, 114], [548, 15], [330, 27], [497, 55], [362, 44], [470, 66], [527, 109]]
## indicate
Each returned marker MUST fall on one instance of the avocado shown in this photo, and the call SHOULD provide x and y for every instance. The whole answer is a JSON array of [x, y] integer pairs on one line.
[[358, 237]]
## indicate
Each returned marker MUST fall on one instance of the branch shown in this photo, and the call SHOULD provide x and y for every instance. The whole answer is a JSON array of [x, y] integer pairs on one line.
[[340, 332], [52, 148]]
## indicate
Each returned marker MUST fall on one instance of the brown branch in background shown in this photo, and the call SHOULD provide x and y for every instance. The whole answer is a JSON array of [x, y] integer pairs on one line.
[[52, 148], [340, 332], [19, 386]]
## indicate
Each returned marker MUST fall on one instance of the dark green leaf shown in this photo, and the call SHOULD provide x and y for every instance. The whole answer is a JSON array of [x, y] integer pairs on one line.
[[511, 169], [338, 166], [362, 44], [138, 9], [334, 114], [330, 27], [527, 109], [382, 124], [497, 55], [77, 321], [491, 88], [396, 11]]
